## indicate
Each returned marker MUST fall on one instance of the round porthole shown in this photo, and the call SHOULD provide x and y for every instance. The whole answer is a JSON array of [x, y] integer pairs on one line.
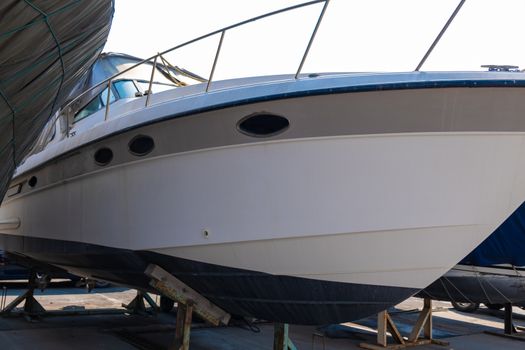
[[263, 124], [103, 156], [141, 145], [32, 181]]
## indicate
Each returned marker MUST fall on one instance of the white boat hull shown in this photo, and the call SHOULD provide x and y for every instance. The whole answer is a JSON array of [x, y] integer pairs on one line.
[[383, 213], [375, 205]]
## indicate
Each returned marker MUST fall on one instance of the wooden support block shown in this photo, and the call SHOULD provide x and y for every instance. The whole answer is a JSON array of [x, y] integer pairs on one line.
[[509, 323], [381, 328], [172, 287], [396, 346], [136, 306], [398, 338], [16, 302], [440, 342], [151, 302], [183, 327], [385, 322], [423, 321], [428, 325], [510, 331], [31, 306]]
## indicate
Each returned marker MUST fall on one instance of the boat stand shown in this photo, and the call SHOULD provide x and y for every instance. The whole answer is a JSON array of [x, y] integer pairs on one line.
[[137, 305], [281, 340], [188, 302], [386, 324], [510, 330], [32, 307]]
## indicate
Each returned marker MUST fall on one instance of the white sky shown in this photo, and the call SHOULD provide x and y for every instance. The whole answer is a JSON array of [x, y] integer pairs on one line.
[[355, 35]]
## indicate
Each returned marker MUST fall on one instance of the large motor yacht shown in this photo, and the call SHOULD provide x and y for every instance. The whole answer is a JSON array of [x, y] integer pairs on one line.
[[302, 198]]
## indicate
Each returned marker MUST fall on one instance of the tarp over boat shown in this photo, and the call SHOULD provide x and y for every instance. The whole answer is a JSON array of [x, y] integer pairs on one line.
[[506, 245], [46, 46]]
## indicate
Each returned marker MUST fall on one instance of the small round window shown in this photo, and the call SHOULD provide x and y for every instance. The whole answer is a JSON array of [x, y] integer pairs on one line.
[[263, 124], [103, 156], [141, 145]]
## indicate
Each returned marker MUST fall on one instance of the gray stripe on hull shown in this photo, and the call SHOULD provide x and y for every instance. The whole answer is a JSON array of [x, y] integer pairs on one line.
[[491, 109]]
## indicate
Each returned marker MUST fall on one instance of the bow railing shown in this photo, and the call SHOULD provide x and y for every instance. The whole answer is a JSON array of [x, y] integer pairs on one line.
[[222, 32], [108, 82]]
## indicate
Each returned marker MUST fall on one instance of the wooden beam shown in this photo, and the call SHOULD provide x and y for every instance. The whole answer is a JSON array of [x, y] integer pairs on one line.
[[422, 321], [385, 323], [172, 287], [428, 325], [509, 323], [183, 327], [382, 328], [393, 330]]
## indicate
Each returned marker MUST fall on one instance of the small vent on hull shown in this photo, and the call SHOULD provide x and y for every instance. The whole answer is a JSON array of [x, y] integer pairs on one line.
[[141, 145], [263, 124], [103, 156]]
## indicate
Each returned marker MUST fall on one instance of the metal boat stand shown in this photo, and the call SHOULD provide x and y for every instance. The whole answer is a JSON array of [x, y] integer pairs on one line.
[[510, 330], [137, 305], [188, 301], [423, 323], [32, 307]]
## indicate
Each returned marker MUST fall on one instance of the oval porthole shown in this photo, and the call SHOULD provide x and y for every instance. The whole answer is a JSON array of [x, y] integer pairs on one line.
[[263, 124], [103, 156], [32, 181], [141, 145]]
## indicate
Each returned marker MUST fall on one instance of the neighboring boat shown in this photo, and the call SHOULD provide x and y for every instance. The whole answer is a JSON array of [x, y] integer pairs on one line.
[[303, 199], [45, 47], [467, 286]]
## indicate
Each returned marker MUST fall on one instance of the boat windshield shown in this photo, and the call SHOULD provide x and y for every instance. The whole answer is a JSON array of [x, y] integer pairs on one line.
[[97, 103], [131, 84]]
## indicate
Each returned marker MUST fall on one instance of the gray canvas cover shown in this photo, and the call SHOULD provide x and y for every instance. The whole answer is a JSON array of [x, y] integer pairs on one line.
[[46, 46]]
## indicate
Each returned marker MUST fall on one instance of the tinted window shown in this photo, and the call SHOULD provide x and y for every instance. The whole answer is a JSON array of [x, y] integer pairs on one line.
[[155, 87], [104, 97], [90, 108], [125, 88], [96, 104], [263, 124], [141, 145], [103, 156]]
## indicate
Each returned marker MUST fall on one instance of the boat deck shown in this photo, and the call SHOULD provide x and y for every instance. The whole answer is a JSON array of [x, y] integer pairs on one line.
[[108, 327]]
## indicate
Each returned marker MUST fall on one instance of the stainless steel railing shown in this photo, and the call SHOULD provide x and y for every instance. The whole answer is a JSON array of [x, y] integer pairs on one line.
[[222, 32]]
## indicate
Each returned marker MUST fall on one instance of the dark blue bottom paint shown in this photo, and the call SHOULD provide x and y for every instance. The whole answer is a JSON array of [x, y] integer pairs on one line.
[[241, 292]]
